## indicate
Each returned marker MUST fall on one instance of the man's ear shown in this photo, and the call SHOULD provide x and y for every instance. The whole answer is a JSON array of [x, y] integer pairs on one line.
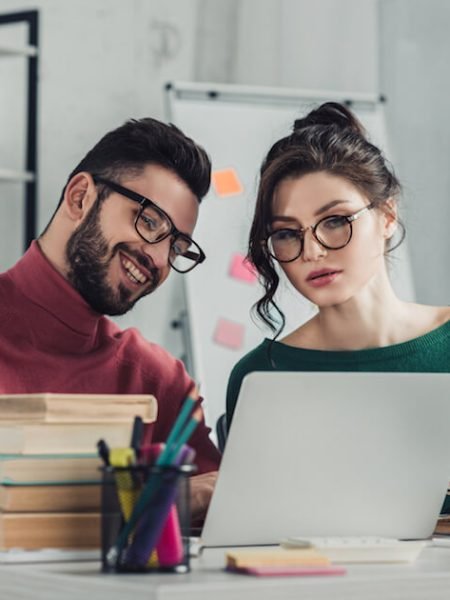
[[390, 221], [79, 196]]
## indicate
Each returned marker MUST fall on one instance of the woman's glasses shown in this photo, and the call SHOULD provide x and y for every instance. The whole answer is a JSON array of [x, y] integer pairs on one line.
[[333, 232]]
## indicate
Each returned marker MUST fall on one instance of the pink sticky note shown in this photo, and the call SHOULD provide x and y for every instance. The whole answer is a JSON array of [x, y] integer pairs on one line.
[[241, 269], [229, 334], [269, 570]]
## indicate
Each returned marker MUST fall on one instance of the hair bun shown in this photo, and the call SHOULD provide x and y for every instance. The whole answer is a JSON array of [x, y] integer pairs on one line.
[[327, 114]]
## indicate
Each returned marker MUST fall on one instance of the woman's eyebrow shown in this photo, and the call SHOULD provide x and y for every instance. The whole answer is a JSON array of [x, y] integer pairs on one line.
[[329, 205], [319, 211], [283, 218]]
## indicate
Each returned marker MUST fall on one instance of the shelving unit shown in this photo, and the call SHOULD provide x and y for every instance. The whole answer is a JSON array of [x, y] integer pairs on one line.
[[28, 176]]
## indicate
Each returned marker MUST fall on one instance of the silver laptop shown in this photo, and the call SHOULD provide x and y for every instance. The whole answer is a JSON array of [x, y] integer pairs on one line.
[[333, 454]]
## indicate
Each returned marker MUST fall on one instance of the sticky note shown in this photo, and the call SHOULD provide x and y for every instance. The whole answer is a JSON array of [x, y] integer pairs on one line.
[[242, 269], [226, 182], [229, 334]]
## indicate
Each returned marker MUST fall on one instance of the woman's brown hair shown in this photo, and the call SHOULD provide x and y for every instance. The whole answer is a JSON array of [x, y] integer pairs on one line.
[[329, 139]]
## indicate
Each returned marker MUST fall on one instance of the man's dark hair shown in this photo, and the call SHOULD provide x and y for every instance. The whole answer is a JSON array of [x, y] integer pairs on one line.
[[140, 142]]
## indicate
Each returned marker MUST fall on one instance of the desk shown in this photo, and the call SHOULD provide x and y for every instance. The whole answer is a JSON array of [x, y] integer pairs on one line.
[[426, 579]]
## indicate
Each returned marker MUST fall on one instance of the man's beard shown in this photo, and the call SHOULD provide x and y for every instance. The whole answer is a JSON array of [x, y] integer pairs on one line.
[[89, 258]]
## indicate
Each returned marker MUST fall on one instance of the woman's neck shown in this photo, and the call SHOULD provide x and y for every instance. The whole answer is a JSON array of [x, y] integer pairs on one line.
[[362, 323], [373, 318]]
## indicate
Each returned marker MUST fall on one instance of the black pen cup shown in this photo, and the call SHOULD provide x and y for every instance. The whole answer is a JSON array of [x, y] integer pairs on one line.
[[158, 541]]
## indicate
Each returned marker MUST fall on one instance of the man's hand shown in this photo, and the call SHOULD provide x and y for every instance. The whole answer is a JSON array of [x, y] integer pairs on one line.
[[202, 487]]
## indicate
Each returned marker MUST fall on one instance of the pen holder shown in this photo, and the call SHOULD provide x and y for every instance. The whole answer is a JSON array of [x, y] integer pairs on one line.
[[159, 541]]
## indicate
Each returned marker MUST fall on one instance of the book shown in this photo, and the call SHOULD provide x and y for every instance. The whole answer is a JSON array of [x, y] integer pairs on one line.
[[49, 468], [443, 525], [31, 531], [50, 498], [60, 438], [81, 408]]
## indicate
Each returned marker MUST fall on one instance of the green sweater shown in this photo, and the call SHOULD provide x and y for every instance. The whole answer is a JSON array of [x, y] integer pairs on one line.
[[429, 353]]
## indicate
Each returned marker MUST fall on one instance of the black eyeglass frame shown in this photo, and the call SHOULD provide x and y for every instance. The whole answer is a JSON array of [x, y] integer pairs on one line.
[[348, 218], [173, 231]]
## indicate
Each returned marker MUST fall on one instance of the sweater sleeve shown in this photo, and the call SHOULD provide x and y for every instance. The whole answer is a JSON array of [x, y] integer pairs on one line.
[[233, 388]]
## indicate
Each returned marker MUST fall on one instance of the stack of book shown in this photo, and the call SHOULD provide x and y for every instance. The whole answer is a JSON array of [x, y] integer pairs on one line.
[[50, 477]]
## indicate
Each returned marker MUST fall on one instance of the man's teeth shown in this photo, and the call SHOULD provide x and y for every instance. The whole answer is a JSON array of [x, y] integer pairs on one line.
[[133, 272]]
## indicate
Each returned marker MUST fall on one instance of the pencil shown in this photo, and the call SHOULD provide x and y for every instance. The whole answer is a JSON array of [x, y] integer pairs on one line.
[[180, 422], [183, 438]]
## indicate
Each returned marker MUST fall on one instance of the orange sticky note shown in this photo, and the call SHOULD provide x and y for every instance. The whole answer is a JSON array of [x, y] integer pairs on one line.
[[226, 182], [241, 269], [229, 334]]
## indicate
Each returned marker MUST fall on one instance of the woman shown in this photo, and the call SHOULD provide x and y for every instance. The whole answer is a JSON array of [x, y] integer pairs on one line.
[[325, 215]]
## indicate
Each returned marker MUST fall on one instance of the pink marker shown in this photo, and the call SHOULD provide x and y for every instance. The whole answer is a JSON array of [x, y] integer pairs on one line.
[[170, 544]]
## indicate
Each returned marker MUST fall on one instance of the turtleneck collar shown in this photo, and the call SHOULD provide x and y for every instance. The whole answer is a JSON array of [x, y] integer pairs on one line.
[[44, 286]]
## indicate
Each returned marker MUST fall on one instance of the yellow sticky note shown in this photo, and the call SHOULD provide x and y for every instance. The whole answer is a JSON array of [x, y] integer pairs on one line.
[[226, 182]]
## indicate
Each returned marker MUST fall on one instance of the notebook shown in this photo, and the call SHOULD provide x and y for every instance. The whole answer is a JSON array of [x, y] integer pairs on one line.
[[333, 454]]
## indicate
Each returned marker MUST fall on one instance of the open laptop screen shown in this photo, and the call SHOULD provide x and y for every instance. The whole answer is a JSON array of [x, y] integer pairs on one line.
[[333, 454]]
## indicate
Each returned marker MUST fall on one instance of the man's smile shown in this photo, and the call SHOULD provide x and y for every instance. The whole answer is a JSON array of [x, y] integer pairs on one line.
[[133, 272]]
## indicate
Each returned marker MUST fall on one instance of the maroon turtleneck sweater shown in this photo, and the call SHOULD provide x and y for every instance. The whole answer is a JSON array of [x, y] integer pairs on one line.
[[52, 341]]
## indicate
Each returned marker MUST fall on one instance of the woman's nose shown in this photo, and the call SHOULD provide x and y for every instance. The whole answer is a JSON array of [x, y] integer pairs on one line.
[[312, 248]]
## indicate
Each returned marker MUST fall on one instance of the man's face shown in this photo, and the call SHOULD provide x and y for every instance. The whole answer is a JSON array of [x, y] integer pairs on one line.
[[110, 265]]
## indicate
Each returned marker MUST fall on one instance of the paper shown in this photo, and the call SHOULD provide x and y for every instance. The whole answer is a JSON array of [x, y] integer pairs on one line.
[[226, 182], [241, 269], [229, 334]]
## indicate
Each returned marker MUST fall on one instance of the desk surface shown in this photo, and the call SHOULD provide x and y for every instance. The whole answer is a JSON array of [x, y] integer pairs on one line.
[[428, 578]]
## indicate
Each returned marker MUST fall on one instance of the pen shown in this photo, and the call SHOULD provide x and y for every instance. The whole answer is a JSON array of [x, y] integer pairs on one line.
[[103, 451], [136, 435]]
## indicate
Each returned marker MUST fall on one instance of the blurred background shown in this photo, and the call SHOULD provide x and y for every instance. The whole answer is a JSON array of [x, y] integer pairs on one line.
[[104, 61]]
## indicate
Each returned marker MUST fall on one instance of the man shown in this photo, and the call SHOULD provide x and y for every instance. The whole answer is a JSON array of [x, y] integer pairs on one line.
[[125, 219]]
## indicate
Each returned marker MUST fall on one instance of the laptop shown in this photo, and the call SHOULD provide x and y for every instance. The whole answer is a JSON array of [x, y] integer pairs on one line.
[[333, 454]]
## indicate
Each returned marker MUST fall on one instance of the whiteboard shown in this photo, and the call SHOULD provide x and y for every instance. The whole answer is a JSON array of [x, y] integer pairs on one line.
[[237, 125]]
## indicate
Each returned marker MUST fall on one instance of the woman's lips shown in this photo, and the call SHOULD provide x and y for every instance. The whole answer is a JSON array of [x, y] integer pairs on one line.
[[322, 277]]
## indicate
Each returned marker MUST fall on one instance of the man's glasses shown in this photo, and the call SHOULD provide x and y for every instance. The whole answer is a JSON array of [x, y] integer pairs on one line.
[[333, 232], [155, 225]]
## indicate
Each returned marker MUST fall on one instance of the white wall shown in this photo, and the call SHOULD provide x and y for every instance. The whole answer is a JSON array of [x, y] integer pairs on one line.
[[305, 44], [321, 45], [415, 75]]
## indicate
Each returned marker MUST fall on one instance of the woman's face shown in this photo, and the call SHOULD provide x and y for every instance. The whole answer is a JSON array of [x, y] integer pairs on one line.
[[330, 277]]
